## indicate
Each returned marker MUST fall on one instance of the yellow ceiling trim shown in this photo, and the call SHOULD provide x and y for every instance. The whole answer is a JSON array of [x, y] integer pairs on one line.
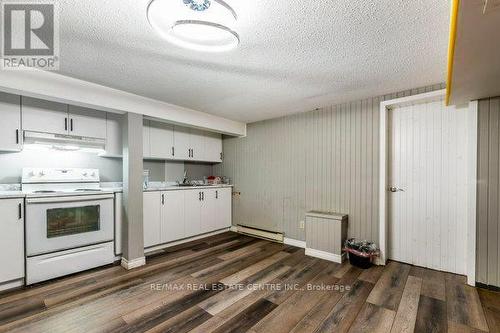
[[451, 46]]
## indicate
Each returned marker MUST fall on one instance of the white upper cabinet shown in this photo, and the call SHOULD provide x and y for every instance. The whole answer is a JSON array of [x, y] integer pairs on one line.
[[114, 142], [87, 122], [213, 147], [51, 117], [44, 116], [11, 239], [146, 139], [197, 143], [161, 136], [171, 142], [10, 124], [182, 143]]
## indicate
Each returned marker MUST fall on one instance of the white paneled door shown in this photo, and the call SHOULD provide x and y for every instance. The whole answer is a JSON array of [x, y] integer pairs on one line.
[[428, 179]]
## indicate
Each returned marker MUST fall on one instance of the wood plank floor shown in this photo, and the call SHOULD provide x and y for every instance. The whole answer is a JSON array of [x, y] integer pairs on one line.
[[235, 283]]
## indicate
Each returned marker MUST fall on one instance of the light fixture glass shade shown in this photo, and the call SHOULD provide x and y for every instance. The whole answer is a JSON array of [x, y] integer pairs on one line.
[[202, 25]]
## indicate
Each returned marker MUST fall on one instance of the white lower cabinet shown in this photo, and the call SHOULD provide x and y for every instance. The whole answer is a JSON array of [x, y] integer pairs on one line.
[[152, 218], [223, 208], [172, 216], [192, 206], [208, 210], [11, 239]]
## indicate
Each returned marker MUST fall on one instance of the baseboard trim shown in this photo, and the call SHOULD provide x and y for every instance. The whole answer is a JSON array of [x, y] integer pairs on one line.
[[12, 285], [233, 228], [487, 286], [134, 263], [325, 255], [259, 233], [295, 242], [155, 248]]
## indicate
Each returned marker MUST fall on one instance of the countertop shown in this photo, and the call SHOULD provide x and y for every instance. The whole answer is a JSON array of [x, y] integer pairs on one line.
[[170, 188], [9, 194]]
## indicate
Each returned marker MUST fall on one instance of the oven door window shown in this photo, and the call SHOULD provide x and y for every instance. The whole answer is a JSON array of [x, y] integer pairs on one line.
[[72, 220]]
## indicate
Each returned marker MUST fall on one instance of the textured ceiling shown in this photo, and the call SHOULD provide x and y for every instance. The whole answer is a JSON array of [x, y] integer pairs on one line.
[[294, 55]]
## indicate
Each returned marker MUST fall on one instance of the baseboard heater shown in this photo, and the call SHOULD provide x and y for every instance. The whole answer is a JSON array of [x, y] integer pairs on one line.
[[265, 234]]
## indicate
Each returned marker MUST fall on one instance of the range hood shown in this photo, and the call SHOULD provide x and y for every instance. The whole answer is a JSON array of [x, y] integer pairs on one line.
[[62, 141]]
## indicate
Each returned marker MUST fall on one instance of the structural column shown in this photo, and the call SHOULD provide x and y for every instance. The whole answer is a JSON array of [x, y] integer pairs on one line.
[[133, 230]]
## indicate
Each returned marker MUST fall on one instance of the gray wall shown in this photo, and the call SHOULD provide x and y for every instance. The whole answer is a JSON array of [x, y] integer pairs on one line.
[[326, 160], [198, 170], [174, 171], [156, 170], [11, 164], [110, 169], [488, 193]]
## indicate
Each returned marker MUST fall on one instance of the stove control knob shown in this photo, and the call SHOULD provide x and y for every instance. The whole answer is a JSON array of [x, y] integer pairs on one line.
[[41, 174], [84, 174], [93, 174]]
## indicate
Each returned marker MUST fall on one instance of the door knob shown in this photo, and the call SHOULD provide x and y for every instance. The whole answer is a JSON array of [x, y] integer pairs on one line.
[[395, 189]]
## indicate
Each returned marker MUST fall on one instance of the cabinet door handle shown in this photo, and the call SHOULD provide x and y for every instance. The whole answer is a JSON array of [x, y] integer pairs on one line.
[[199, 196], [173, 151], [192, 152], [163, 199], [20, 212], [65, 124], [17, 136], [71, 125], [216, 194], [203, 196], [221, 156]]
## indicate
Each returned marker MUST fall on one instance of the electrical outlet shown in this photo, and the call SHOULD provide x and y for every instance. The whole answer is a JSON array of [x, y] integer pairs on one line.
[[302, 224]]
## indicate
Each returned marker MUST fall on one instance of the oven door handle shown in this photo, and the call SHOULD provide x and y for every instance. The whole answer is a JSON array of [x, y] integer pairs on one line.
[[75, 198]]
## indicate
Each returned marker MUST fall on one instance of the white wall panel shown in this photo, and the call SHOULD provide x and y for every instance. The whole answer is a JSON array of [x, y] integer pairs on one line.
[[325, 159]]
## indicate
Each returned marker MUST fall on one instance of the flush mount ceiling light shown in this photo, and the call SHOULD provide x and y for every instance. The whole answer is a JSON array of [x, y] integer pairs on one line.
[[201, 25]]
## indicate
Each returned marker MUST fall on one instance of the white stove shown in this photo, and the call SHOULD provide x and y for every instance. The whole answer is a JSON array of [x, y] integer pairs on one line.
[[69, 222], [55, 181]]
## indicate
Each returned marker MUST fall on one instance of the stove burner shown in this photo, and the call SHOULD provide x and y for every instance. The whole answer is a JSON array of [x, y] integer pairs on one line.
[[44, 191], [88, 190]]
